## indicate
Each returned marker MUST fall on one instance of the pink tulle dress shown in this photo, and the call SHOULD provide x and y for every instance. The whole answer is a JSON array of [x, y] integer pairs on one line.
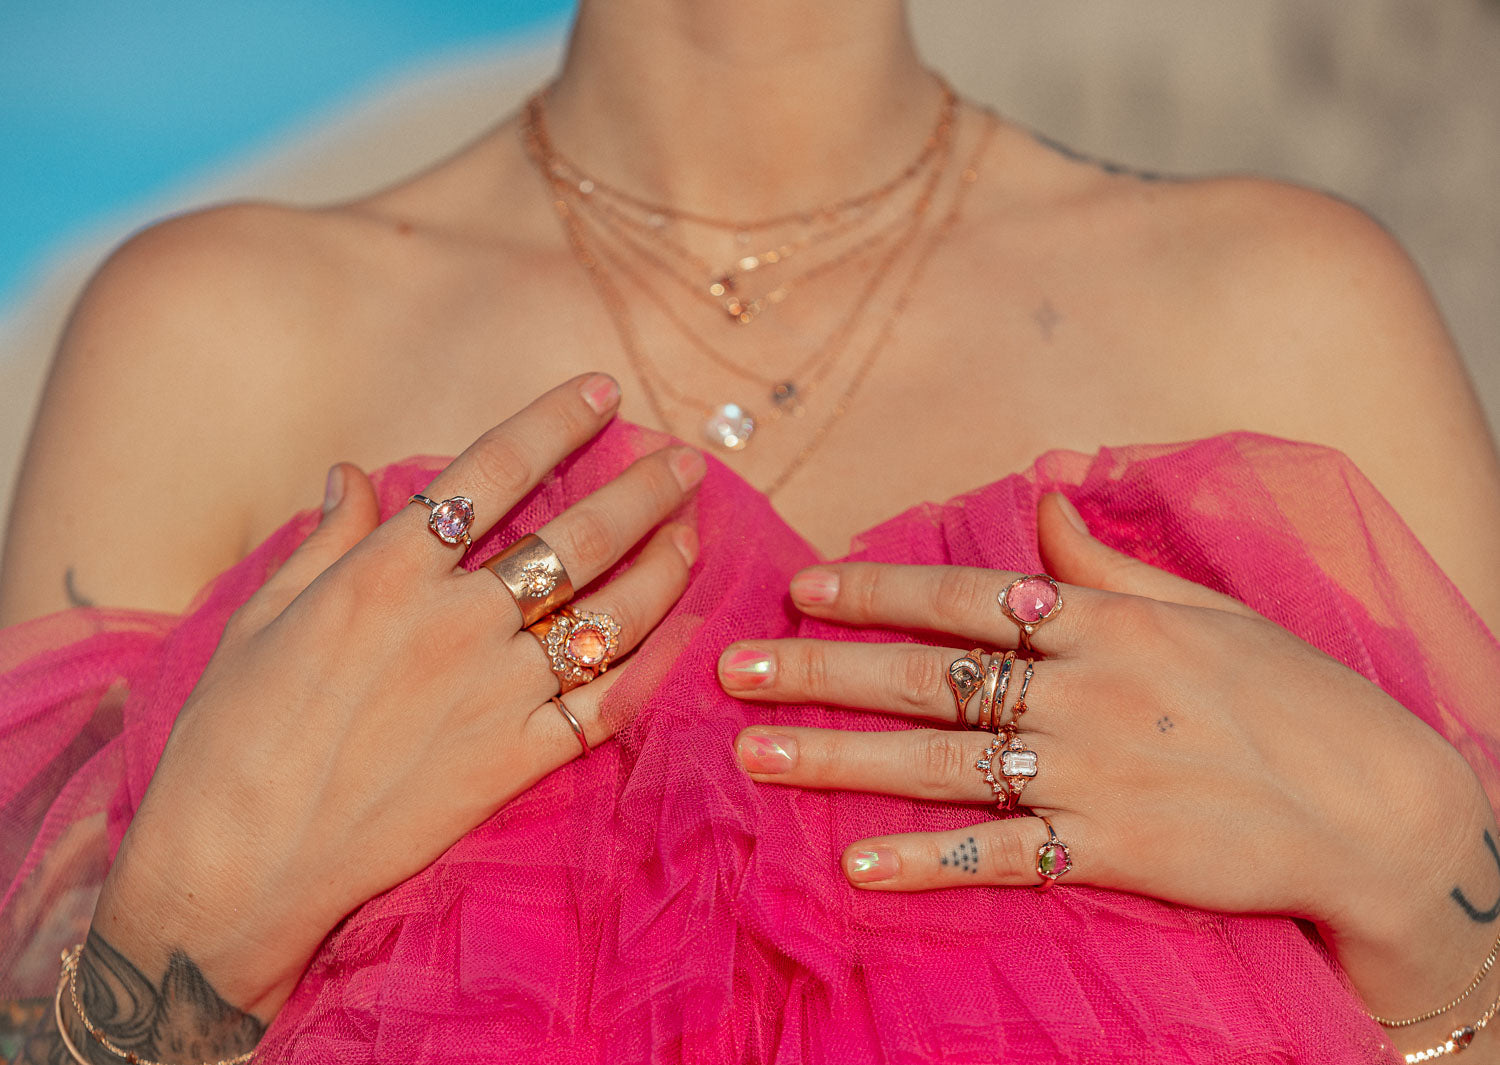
[[652, 904]]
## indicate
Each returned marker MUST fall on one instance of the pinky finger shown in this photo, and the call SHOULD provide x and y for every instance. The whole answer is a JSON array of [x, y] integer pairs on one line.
[[1006, 853]]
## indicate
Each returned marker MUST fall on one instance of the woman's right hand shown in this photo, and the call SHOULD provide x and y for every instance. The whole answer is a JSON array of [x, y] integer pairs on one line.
[[372, 702]]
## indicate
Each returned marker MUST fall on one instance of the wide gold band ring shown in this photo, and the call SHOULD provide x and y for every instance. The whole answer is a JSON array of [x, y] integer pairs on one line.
[[534, 576]]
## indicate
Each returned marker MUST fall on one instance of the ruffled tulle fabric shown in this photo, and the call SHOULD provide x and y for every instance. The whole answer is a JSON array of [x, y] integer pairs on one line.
[[651, 904]]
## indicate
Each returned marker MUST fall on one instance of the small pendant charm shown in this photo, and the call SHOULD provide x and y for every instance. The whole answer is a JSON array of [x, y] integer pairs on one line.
[[785, 399], [729, 426]]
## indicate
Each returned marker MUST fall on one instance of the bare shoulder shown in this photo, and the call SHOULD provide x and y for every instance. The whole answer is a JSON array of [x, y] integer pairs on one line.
[[1298, 314], [156, 407]]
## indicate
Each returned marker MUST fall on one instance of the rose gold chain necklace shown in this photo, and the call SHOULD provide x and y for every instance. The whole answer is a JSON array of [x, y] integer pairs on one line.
[[787, 390], [588, 184], [723, 285], [619, 311]]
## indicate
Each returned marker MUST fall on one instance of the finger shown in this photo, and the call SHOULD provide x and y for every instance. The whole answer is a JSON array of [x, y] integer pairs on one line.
[[1072, 554], [636, 600], [499, 468], [915, 763], [596, 532], [957, 600], [350, 513], [998, 852], [906, 679]]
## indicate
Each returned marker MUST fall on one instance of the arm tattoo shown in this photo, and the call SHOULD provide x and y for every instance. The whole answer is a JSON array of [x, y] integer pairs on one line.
[[964, 857], [1481, 916], [74, 599], [183, 1020]]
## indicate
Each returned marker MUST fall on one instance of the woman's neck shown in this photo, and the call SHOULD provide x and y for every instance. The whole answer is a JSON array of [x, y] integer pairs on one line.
[[742, 109]]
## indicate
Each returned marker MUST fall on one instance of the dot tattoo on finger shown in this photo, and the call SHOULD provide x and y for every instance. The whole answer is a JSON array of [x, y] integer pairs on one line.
[[1164, 724], [964, 857]]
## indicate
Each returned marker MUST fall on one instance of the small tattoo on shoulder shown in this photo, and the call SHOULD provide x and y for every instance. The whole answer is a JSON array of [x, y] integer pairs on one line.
[[1475, 914], [1047, 319], [1164, 724], [964, 857], [1105, 165], [71, 590]]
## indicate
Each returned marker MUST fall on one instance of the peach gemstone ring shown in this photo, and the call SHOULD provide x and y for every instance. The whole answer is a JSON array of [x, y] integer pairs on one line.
[[450, 519], [580, 644], [1031, 601]]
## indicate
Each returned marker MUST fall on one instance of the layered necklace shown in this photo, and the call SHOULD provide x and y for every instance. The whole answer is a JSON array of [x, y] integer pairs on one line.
[[618, 237]]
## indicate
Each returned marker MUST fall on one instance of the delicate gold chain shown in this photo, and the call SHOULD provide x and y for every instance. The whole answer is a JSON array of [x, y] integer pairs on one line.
[[565, 168], [1489, 963], [968, 177], [1458, 1040], [69, 979], [808, 374], [721, 286]]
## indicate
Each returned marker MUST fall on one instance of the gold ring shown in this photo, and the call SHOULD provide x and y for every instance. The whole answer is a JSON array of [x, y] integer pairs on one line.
[[1052, 858], [1008, 766], [580, 644], [583, 741], [448, 520], [965, 675], [1031, 601], [534, 576]]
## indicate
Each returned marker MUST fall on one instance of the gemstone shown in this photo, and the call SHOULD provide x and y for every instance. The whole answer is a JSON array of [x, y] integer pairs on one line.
[[966, 675], [1462, 1037], [1018, 764], [784, 394], [451, 519], [585, 186], [587, 646], [1052, 860], [729, 426], [1031, 599], [538, 579]]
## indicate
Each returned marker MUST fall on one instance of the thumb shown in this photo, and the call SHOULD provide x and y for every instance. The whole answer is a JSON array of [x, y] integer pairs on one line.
[[1073, 555], [350, 513]]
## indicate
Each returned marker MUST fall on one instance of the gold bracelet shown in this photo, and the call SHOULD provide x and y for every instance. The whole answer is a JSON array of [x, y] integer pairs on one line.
[[69, 979], [62, 1028], [1458, 1041], [1489, 963]]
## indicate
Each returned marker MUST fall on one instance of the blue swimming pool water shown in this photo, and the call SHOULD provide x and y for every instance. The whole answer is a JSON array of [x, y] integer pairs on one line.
[[106, 102]]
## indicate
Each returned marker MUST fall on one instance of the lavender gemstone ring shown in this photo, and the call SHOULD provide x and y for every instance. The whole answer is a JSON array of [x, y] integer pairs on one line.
[[450, 519], [1031, 601]]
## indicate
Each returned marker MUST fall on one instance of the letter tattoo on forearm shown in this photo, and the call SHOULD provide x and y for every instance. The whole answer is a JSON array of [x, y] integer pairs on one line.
[[1476, 914]]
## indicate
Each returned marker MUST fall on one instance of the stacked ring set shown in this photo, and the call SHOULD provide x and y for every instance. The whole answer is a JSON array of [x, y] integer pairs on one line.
[[579, 644], [1008, 764]]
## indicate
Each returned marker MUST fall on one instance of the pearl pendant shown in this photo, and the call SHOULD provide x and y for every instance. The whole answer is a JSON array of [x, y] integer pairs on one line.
[[729, 426]]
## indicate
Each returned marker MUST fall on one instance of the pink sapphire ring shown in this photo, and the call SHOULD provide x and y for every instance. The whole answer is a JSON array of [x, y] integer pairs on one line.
[[580, 644], [1052, 858], [534, 576], [1031, 601], [450, 519]]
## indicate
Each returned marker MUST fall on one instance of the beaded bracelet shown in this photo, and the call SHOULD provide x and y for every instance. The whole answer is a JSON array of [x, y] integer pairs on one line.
[[69, 981], [1489, 963]]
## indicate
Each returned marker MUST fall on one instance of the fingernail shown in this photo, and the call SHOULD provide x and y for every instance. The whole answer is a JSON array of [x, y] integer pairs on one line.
[[766, 752], [747, 668], [685, 539], [1075, 519], [815, 586], [874, 863], [601, 392], [688, 467], [333, 490]]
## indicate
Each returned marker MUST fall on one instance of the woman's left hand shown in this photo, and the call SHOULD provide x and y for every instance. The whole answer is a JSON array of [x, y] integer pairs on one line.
[[1187, 749]]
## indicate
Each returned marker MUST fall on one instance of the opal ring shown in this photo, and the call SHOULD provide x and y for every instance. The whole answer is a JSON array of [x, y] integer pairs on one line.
[[448, 520], [580, 644], [583, 741], [534, 576], [1031, 601], [1052, 858], [965, 675]]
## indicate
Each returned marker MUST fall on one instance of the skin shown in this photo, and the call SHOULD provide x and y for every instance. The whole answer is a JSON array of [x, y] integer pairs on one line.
[[258, 345]]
